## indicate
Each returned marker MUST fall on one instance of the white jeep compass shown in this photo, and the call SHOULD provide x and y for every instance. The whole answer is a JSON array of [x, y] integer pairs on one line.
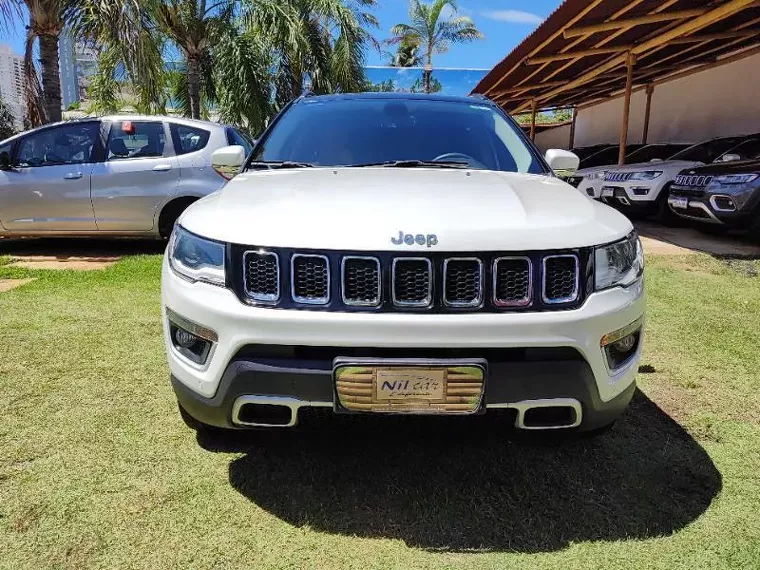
[[401, 254]]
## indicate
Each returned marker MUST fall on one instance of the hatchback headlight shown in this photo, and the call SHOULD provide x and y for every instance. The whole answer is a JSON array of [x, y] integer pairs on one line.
[[735, 178], [645, 175], [620, 263], [196, 258]]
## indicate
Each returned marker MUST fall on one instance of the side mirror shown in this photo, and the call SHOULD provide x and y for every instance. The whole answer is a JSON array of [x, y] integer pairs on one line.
[[228, 161], [656, 160], [563, 162], [729, 158]]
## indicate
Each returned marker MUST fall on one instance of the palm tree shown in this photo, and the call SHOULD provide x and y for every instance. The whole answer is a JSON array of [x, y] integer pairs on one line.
[[321, 43], [193, 26], [407, 54], [46, 21], [432, 33]]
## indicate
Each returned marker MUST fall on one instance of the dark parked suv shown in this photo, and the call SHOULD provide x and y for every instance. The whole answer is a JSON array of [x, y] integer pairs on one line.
[[725, 194]]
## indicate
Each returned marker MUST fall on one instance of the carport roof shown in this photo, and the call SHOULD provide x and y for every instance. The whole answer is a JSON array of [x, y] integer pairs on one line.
[[578, 54]]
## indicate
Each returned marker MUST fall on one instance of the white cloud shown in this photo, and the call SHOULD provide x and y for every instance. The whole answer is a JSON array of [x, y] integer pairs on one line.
[[513, 16]]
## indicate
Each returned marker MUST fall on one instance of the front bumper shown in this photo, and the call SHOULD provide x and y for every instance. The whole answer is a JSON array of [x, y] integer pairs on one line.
[[639, 196], [208, 391], [706, 205]]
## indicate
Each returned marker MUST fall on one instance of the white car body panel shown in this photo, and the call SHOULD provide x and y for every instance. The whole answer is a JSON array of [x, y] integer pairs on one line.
[[592, 187], [670, 168], [363, 208]]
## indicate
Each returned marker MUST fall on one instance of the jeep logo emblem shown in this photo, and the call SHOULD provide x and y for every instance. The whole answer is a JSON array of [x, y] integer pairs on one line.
[[410, 239]]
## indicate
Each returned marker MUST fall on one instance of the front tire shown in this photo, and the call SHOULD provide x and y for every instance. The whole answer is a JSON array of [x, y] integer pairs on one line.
[[753, 230], [664, 215]]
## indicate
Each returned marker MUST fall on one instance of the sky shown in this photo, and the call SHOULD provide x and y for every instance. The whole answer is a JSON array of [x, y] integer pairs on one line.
[[504, 23]]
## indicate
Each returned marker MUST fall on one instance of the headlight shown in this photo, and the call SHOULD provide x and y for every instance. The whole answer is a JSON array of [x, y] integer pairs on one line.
[[620, 263], [735, 178], [195, 258], [596, 175], [645, 175]]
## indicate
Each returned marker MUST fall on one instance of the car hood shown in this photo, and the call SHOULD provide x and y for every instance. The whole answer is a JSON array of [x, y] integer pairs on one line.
[[593, 170], [363, 209], [668, 165]]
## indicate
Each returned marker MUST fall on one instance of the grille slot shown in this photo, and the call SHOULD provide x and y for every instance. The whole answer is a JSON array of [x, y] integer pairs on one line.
[[361, 281], [617, 176], [463, 282], [412, 279], [560, 283], [310, 279], [692, 180], [261, 276], [512, 282]]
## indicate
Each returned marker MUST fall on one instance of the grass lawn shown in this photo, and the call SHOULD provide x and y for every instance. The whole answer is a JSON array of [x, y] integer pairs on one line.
[[98, 471]]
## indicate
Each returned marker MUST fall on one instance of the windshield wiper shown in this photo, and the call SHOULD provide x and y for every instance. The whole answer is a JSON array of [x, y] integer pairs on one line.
[[416, 164], [273, 164]]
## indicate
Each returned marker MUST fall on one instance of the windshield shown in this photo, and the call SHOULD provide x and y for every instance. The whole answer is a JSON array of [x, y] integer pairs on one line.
[[707, 151], [652, 152], [355, 132]]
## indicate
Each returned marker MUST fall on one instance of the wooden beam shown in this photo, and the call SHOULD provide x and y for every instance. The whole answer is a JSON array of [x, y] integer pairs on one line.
[[647, 109], [527, 87], [716, 36], [630, 22], [576, 54], [533, 109], [716, 14], [571, 144], [630, 60], [579, 16]]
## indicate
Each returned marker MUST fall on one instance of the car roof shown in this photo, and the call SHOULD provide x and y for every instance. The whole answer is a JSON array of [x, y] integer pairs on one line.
[[397, 96]]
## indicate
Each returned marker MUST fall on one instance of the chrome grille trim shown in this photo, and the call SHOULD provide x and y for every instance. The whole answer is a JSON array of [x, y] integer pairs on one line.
[[261, 297], [309, 300], [378, 298], [524, 302], [475, 303], [617, 176], [576, 288], [422, 303], [693, 180]]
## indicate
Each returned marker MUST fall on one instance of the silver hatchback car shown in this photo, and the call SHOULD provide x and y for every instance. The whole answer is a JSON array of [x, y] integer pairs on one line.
[[119, 175]]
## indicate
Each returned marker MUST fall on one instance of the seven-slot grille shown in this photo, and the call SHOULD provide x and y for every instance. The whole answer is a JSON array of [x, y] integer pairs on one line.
[[512, 281], [310, 279], [485, 281], [412, 282], [560, 279], [261, 274], [361, 281], [617, 176], [692, 180], [463, 282]]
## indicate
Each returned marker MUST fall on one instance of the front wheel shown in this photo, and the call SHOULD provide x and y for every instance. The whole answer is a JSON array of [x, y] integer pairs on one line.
[[753, 230], [664, 215]]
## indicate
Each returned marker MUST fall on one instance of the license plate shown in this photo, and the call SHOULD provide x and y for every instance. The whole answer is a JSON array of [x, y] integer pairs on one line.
[[436, 389], [607, 192], [679, 202]]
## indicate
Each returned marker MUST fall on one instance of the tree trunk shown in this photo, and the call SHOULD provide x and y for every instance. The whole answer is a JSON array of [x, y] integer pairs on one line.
[[194, 86], [51, 80], [428, 73]]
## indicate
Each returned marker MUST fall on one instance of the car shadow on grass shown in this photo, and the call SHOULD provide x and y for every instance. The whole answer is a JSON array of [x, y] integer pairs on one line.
[[456, 486]]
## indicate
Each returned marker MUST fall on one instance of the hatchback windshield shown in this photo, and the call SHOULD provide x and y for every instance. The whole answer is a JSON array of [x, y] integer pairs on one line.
[[368, 131]]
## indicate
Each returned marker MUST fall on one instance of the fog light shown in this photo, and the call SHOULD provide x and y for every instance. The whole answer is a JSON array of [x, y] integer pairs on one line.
[[640, 190], [621, 345], [191, 340]]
